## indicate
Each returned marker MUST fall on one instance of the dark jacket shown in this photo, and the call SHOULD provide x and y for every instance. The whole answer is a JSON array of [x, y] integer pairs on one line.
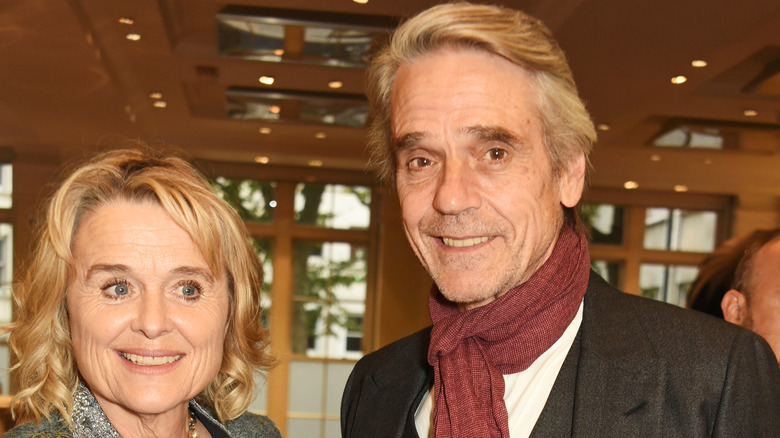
[[638, 368]]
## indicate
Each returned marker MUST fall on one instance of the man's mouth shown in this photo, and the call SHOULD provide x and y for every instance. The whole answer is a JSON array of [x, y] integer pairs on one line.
[[461, 243], [150, 360]]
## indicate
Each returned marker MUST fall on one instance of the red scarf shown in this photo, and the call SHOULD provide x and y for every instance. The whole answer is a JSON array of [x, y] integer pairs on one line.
[[471, 351]]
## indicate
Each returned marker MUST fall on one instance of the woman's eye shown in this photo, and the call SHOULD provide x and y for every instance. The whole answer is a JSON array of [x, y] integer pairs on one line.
[[189, 290], [119, 289], [496, 154]]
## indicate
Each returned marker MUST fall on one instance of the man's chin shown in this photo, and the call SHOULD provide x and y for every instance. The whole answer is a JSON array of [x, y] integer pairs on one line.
[[466, 298]]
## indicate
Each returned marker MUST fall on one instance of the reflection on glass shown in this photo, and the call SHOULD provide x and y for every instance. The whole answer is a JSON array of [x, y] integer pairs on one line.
[[605, 222], [680, 230], [312, 108], [253, 200], [329, 298], [274, 35], [692, 137], [609, 271], [333, 206], [666, 283]]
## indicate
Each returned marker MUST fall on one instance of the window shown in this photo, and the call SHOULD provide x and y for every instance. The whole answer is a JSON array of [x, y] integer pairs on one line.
[[314, 239], [6, 270], [651, 244]]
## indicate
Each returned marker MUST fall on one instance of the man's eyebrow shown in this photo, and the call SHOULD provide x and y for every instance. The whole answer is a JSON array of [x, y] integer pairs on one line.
[[407, 140], [493, 133]]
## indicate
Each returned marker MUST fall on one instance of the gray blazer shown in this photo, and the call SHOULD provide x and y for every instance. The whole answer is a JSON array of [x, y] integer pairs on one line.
[[638, 368]]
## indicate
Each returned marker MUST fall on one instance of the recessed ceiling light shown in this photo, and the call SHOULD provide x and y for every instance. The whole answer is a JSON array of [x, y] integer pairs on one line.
[[320, 135], [126, 20], [699, 63], [677, 80], [266, 80], [602, 127], [160, 104], [274, 109], [314, 163], [750, 113], [655, 157], [272, 203], [335, 84], [264, 130], [155, 95], [262, 159], [631, 185], [680, 188], [133, 36], [362, 2]]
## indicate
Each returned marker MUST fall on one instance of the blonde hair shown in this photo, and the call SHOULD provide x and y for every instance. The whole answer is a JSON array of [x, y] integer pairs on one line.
[[40, 337], [515, 36]]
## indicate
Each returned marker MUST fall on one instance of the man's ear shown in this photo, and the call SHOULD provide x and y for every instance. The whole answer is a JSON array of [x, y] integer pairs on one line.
[[573, 182], [734, 306]]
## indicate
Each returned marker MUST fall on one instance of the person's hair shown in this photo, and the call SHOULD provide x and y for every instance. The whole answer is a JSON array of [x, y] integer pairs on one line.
[[718, 272], [568, 130], [47, 373], [745, 274]]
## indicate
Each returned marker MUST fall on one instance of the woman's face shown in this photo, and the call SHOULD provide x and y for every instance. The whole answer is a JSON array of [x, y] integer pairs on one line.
[[147, 316]]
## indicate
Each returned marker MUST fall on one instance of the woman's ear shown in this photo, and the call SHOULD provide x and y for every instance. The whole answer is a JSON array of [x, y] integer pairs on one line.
[[734, 306]]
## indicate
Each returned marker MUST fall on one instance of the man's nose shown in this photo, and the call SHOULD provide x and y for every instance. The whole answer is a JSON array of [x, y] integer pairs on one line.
[[457, 188]]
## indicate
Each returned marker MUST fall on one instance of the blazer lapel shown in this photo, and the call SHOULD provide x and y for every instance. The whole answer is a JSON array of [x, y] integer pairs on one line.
[[620, 380], [389, 396]]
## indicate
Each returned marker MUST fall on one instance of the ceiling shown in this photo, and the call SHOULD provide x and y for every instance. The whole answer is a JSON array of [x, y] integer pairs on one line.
[[70, 81]]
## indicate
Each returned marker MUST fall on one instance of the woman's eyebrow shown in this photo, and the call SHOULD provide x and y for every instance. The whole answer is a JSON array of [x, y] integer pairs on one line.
[[195, 271], [107, 268]]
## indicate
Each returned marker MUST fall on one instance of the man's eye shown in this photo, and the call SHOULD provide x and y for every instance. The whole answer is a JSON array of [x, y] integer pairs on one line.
[[496, 154], [419, 162]]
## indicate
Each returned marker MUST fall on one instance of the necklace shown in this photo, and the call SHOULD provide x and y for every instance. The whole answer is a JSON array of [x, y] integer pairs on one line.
[[191, 421]]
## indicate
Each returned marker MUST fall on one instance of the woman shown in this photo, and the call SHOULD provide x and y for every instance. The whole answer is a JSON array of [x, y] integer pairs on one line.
[[140, 312]]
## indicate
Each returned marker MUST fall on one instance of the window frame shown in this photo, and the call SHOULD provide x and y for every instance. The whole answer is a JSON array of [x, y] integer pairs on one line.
[[631, 254]]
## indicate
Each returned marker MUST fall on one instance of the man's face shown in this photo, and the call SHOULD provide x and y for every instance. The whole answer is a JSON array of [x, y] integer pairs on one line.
[[764, 305], [480, 204]]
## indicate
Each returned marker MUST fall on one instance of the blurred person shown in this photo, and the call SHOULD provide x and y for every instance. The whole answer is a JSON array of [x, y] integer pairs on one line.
[[716, 273], [754, 300], [478, 125], [139, 315]]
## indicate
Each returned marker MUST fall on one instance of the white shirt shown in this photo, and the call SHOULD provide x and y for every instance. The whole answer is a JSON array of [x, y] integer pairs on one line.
[[525, 393]]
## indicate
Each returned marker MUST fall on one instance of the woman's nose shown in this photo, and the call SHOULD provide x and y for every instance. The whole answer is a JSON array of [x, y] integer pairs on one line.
[[152, 317]]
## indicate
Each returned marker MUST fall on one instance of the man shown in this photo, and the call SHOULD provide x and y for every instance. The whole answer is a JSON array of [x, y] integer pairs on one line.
[[478, 124], [754, 300]]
